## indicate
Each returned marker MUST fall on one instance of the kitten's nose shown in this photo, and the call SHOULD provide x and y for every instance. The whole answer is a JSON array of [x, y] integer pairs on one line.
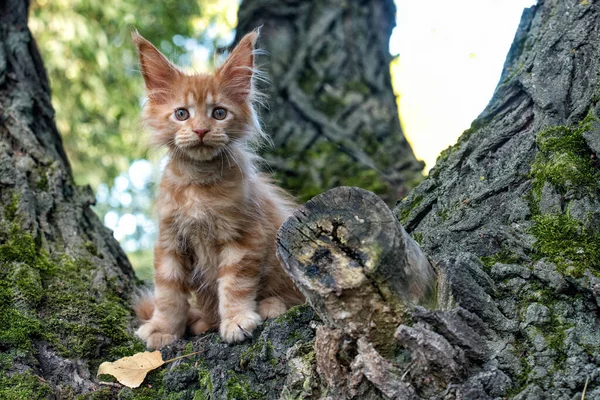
[[201, 132]]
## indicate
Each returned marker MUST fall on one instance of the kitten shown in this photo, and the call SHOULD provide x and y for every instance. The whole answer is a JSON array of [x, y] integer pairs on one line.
[[214, 261]]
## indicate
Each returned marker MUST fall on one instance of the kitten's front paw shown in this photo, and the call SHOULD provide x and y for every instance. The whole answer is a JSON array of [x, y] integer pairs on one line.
[[239, 327], [154, 336]]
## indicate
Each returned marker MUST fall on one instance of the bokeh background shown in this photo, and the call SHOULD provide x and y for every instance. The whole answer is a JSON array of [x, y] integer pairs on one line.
[[449, 56]]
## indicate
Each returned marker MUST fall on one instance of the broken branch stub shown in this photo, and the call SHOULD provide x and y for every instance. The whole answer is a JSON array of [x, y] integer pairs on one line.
[[355, 263]]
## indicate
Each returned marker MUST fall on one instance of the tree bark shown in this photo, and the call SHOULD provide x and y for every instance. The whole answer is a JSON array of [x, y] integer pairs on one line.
[[509, 217], [331, 110], [65, 283], [511, 211]]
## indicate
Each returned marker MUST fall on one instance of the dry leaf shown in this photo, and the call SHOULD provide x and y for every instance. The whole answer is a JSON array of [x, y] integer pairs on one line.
[[131, 371]]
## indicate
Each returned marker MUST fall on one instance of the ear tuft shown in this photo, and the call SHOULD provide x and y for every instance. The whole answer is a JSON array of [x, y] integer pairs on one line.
[[136, 38], [237, 71], [158, 72]]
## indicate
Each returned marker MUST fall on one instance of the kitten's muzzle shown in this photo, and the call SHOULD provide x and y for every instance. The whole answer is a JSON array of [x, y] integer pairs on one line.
[[201, 132]]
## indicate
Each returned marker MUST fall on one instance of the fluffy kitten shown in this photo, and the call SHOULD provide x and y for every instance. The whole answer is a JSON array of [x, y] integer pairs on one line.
[[214, 262]]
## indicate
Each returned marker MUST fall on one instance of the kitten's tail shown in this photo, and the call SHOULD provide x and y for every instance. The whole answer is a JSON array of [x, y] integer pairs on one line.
[[143, 305]]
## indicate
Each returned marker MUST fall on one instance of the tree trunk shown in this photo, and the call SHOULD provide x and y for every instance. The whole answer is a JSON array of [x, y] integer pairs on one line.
[[65, 283], [331, 110], [509, 217], [511, 211]]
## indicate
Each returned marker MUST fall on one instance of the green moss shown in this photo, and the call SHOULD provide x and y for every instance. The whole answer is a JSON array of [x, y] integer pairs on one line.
[[444, 154], [250, 354], [55, 300], [257, 349], [189, 348], [329, 104], [476, 125], [444, 214], [311, 356], [407, 206], [91, 248], [292, 314], [555, 337], [153, 388], [294, 337], [102, 394], [308, 81], [238, 388], [11, 209], [566, 242], [303, 366], [42, 180], [522, 379], [590, 349], [127, 349], [21, 248], [20, 328], [358, 86], [324, 165], [21, 269], [564, 160], [271, 353], [503, 256], [554, 333], [206, 385], [83, 320], [513, 71], [23, 386], [418, 237]]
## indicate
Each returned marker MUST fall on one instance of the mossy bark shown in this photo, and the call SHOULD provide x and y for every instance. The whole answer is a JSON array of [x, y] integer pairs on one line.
[[331, 110], [65, 284], [510, 213]]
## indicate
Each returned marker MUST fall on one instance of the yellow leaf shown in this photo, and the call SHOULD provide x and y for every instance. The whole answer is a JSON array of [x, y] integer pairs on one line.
[[131, 371]]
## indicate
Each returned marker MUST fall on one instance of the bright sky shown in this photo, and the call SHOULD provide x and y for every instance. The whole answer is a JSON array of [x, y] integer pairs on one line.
[[451, 57]]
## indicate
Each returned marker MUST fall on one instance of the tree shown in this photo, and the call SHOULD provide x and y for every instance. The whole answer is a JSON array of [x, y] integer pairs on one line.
[[331, 110], [65, 284], [508, 218]]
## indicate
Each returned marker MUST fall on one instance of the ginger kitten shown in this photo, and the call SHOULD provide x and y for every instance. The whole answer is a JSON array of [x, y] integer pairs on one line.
[[214, 261]]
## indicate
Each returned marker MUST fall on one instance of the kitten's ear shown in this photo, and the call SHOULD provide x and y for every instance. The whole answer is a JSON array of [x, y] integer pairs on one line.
[[158, 72], [236, 73]]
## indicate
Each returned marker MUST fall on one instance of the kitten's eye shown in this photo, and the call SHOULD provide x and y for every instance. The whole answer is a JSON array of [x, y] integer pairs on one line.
[[182, 114], [219, 113]]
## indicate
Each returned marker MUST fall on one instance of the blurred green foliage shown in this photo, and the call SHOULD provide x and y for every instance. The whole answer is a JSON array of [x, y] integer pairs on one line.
[[96, 87]]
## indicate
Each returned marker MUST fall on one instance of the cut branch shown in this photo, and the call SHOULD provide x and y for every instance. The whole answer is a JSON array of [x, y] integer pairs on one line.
[[355, 263]]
